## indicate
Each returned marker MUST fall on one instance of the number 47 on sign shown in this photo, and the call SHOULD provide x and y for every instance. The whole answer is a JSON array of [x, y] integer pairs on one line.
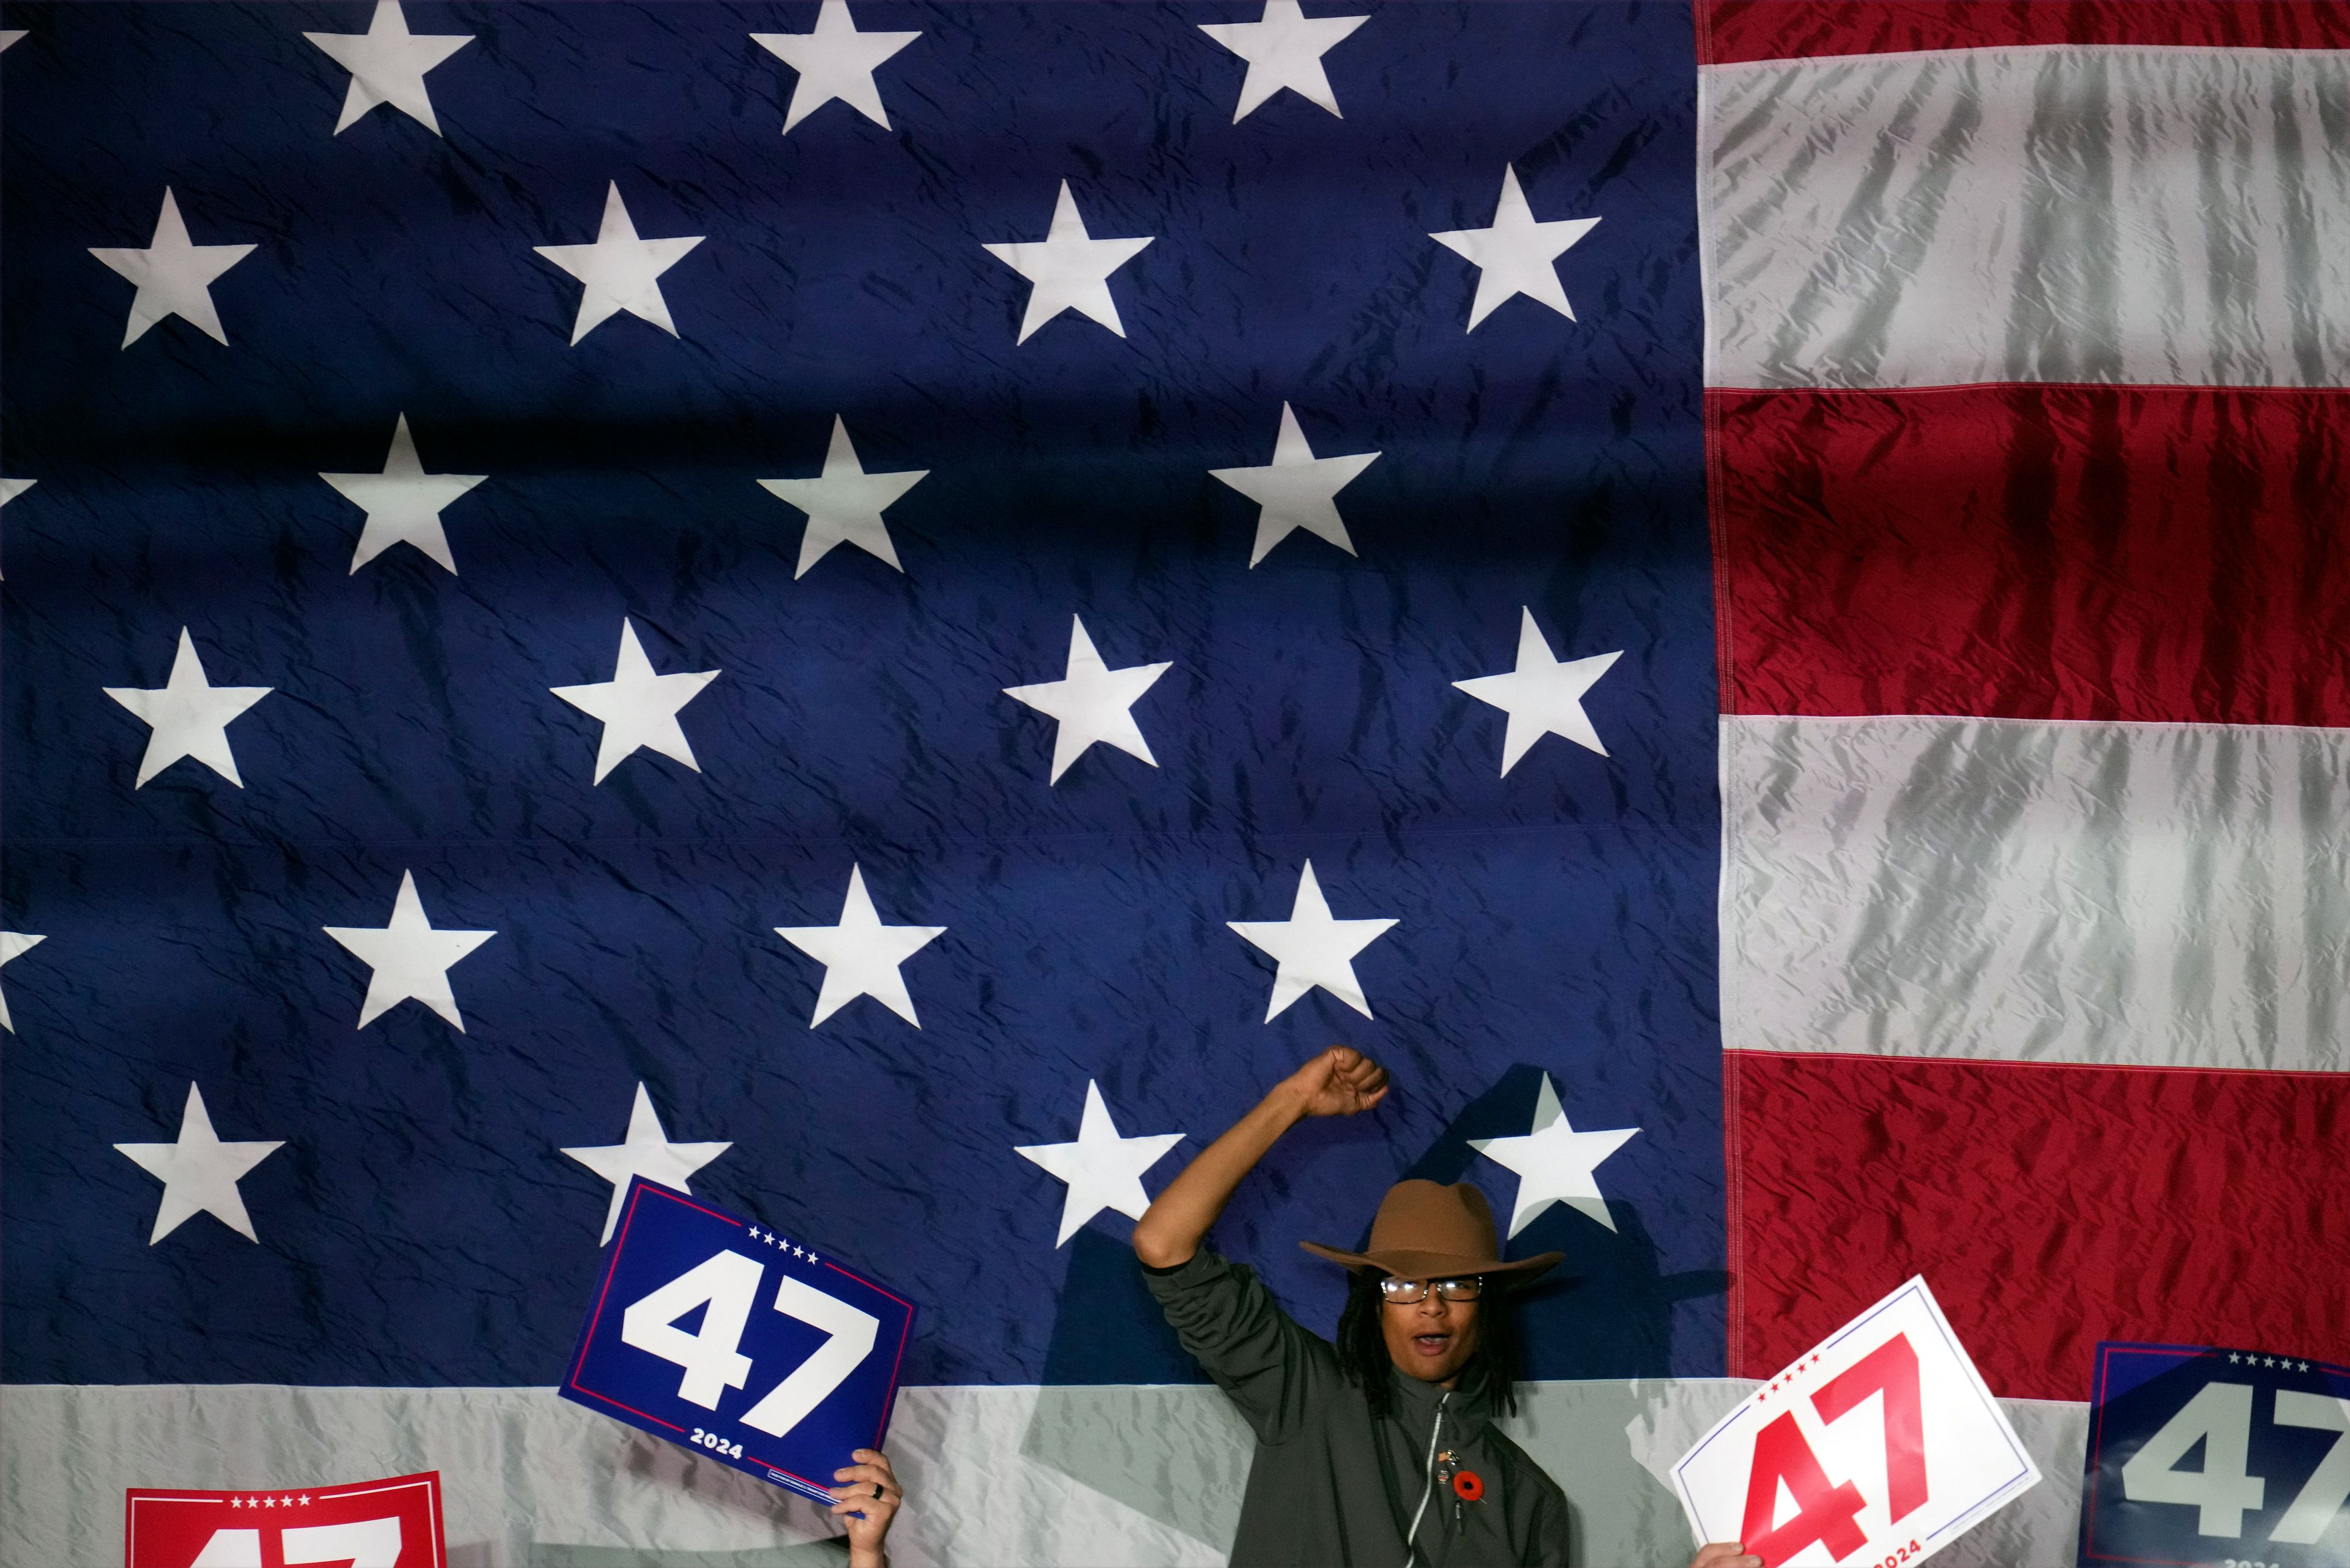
[[710, 1329], [1880, 1445]]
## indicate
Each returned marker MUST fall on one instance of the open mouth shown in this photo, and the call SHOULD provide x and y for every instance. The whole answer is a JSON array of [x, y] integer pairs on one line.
[[1431, 1344]]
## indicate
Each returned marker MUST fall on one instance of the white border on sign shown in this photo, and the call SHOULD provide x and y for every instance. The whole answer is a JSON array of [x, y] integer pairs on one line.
[[215, 1496]]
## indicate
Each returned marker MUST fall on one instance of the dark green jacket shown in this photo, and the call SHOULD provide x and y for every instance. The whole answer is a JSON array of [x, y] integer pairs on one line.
[[1332, 1488]]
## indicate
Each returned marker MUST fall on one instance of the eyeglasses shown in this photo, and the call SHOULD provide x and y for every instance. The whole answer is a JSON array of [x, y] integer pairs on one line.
[[1409, 1292]]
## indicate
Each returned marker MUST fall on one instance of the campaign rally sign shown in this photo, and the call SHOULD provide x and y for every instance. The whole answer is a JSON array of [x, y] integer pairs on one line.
[[1880, 1445], [390, 1523], [2236, 1458], [715, 1332]]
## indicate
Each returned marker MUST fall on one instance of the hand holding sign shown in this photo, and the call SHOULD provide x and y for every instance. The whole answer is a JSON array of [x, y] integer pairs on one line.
[[867, 1500], [791, 1368], [1725, 1554], [1881, 1446]]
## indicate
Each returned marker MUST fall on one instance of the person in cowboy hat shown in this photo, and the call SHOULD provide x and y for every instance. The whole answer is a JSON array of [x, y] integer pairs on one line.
[[1380, 1448]]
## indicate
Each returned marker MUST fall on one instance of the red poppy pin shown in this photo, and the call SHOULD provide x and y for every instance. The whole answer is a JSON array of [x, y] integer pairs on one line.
[[1467, 1486]]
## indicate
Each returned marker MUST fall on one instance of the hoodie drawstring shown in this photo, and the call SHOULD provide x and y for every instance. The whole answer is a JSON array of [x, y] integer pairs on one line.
[[1411, 1536]]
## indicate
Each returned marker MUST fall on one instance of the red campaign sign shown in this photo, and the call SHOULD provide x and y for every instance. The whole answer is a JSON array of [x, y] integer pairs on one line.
[[1878, 1448], [390, 1523]]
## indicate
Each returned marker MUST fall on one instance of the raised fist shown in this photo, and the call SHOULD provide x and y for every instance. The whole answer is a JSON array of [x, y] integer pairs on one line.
[[1339, 1083]]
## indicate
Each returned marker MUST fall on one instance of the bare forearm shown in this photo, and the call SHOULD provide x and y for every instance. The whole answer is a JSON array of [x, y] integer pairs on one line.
[[1171, 1231], [1339, 1082]]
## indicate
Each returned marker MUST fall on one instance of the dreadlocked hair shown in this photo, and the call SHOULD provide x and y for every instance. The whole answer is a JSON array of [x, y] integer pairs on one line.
[[1491, 1370]]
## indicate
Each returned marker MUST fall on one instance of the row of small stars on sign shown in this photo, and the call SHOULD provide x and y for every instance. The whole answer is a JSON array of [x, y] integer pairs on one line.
[[2234, 1358], [772, 1240], [301, 1501], [1784, 1378]]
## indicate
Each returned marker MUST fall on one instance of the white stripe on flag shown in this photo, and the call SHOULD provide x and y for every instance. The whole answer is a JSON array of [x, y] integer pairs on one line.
[[2170, 216], [529, 1479], [2171, 895], [1099, 1476]]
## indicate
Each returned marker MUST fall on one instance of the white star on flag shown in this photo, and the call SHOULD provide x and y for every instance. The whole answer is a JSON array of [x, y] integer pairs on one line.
[[1092, 702], [844, 504], [1514, 256], [199, 1173], [13, 944], [1296, 489], [1068, 269], [619, 272], [638, 708], [861, 955], [173, 275], [409, 958], [388, 64], [835, 61], [188, 715], [1556, 1164], [403, 503], [1283, 48], [1103, 1170], [645, 1151], [1542, 696], [1311, 948]]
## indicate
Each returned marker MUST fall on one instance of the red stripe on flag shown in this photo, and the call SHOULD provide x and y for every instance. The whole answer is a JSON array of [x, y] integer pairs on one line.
[[2035, 552], [1734, 30], [2049, 1208]]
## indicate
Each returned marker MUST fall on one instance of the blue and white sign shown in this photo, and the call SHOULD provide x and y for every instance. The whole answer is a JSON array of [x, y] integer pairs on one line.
[[715, 1332], [2230, 1459]]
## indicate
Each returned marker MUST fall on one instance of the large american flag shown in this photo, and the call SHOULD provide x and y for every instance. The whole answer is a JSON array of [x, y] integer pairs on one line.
[[887, 611]]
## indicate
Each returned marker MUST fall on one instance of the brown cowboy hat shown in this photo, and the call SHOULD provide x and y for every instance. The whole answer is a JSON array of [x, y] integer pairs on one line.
[[1426, 1231]]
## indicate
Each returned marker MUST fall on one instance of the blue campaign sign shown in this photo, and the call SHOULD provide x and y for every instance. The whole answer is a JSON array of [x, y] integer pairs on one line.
[[2234, 1459], [715, 1332]]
